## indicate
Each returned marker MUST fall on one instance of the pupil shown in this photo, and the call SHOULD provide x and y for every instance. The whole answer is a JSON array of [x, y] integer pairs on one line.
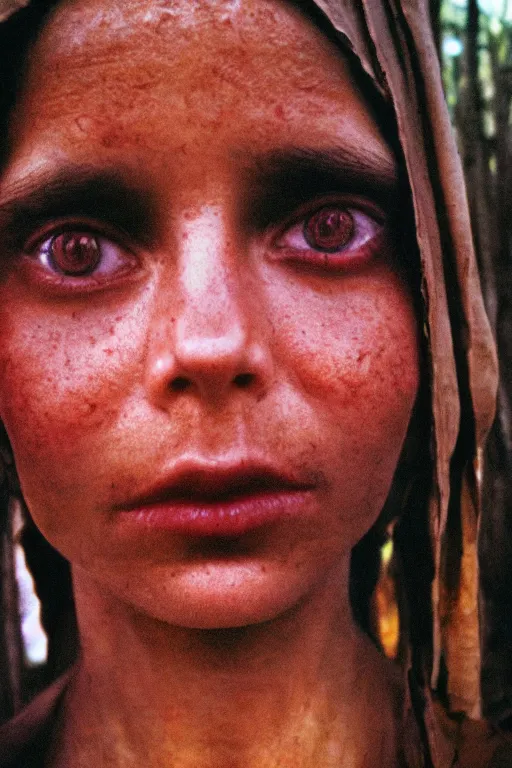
[[75, 254], [329, 229]]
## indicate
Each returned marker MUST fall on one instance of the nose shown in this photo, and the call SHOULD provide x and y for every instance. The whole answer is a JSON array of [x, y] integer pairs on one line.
[[208, 340]]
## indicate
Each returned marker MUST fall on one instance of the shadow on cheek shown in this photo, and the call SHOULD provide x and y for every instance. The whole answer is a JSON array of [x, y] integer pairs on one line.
[[405, 518]]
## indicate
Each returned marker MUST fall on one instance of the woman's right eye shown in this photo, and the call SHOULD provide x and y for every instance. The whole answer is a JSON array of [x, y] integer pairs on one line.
[[81, 254]]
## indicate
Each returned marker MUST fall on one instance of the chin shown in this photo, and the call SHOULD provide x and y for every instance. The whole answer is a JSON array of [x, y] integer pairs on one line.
[[215, 595]]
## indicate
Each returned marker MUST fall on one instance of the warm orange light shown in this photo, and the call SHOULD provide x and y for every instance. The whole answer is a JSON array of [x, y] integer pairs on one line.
[[386, 605]]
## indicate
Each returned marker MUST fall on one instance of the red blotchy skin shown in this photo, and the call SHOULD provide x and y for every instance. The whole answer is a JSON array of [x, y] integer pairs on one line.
[[331, 355]]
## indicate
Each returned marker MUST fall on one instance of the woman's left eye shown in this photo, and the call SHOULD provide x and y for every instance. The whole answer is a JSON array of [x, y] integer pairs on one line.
[[80, 254], [332, 234]]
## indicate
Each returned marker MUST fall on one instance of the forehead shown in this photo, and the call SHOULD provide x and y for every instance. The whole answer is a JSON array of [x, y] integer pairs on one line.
[[141, 34], [218, 73]]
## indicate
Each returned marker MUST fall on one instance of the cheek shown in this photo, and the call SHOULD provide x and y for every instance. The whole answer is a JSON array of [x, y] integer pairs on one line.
[[62, 380], [354, 354], [350, 347]]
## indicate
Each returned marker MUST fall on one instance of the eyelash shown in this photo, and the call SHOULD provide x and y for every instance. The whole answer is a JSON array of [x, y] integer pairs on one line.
[[107, 250], [366, 240], [111, 245], [367, 235]]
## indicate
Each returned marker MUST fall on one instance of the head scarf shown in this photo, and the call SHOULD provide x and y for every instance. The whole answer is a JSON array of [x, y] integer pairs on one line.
[[393, 42]]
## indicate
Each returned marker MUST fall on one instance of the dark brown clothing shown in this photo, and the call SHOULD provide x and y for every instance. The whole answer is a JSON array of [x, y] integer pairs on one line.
[[24, 739]]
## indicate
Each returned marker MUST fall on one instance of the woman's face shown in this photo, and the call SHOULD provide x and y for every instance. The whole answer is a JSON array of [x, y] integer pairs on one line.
[[209, 355]]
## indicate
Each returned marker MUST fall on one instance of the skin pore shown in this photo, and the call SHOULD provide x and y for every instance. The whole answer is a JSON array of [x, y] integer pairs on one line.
[[201, 152]]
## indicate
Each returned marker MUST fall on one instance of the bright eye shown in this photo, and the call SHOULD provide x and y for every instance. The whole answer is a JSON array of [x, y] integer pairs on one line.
[[80, 255], [333, 234], [329, 229], [74, 254]]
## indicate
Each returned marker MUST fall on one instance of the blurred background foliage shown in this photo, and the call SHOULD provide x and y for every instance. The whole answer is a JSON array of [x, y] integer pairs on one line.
[[474, 39]]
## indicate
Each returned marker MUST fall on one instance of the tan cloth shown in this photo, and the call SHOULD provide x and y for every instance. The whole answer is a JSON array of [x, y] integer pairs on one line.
[[393, 41]]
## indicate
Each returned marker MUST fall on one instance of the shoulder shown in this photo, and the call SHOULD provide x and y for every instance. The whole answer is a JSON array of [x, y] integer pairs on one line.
[[23, 739]]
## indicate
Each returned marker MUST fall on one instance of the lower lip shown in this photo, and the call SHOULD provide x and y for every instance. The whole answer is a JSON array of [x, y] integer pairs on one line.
[[229, 518]]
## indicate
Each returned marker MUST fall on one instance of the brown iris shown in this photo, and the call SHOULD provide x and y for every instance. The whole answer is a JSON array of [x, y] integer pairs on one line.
[[75, 253], [329, 229]]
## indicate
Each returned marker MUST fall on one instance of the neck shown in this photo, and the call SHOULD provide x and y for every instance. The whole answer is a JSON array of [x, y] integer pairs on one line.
[[305, 689]]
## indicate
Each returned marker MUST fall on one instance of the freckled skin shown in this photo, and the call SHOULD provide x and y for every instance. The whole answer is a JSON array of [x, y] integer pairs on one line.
[[336, 358], [175, 95]]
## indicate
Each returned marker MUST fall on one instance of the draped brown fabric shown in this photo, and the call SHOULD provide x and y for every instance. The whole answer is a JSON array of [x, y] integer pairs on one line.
[[392, 40]]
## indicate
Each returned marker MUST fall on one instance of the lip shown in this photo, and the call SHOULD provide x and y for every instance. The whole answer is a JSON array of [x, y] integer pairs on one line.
[[213, 501]]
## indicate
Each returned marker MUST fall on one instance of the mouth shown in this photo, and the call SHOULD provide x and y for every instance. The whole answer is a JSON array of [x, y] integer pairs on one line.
[[216, 501]]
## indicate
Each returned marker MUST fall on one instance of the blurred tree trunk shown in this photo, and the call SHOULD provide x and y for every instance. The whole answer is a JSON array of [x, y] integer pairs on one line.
[[488, 170]]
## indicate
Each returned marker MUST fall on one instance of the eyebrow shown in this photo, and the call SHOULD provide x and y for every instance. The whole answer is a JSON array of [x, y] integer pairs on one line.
[[295, 175], [277, 182], [370, 165], [105, 195]]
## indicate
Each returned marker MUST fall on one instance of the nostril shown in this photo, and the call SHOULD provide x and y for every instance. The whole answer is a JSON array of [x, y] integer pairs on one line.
[[243, 380], [179, 384]]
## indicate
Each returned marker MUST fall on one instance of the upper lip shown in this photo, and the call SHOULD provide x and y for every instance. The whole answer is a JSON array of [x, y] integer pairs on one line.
[[210, 483]]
